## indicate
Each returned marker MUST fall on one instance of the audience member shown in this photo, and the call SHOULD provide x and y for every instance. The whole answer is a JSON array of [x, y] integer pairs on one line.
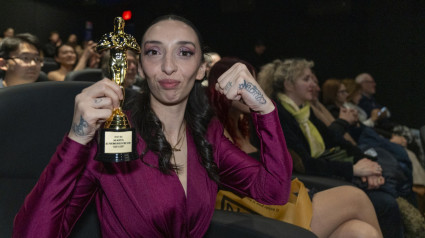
[[290, 84], [325, 116], [55, 41], [66, 57], [8, 32], [368, 86], [210, 59], [256, 55], [20, 59], [353, 99], [354, 91], [335, 98], [332, 217], [73, 40], [183, 152], [385, 126], [368, 103], [132, 78]]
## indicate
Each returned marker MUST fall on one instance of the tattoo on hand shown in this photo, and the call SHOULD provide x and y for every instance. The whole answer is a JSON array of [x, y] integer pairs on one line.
[[228, 86], [252, 89], [79, 128], [97, 100]]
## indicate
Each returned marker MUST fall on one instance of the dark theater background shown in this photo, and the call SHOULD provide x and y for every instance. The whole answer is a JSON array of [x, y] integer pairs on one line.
[[343, 37]]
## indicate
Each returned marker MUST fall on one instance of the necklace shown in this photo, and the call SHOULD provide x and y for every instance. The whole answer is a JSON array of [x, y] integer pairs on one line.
[[174, 148], [180, 139]]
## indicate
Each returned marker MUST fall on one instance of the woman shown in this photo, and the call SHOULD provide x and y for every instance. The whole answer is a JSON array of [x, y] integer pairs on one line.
[[353, 98], [356, 220], [171, 190], [290, 84], [73, 40], [66, 57], [335, 97], [326, 117]]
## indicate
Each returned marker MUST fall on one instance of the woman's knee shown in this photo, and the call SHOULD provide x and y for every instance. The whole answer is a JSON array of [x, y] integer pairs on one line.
[[354, 196]]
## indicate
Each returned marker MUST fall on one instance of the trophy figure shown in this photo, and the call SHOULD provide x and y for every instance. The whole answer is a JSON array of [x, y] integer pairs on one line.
[[117, 140]]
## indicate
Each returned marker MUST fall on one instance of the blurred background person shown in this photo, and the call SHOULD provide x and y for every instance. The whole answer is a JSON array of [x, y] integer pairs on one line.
[[66, 57], [210, 59], [257, 54], [8, 32], [321, 112], [335, 96], [354, 91], [73, 40], [20, 60], [49, 48], [132, 78]]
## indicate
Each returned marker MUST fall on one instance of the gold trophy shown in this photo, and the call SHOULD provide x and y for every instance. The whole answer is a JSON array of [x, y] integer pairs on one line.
[[117, 140]]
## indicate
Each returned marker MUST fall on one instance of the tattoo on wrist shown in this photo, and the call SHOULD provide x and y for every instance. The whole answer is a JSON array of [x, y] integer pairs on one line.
[[253, 90], [79, 128]]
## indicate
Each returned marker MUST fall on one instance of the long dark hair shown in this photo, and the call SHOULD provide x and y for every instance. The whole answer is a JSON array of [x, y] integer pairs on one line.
[[197, 115]]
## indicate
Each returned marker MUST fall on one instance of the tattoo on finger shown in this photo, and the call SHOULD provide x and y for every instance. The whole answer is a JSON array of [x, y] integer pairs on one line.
[[98, 100], [228, 86], [253, 90]]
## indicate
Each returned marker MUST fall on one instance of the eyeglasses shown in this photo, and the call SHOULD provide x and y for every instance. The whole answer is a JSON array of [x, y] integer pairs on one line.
[[28, 59]]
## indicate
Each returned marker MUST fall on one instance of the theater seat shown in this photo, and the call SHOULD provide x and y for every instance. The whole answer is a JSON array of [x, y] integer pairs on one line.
[[34, 118], [226, 224], [49, 64], [89, 75]]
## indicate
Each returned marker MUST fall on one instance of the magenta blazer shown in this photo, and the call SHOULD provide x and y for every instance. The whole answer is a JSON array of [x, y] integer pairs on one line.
[[137, 200]]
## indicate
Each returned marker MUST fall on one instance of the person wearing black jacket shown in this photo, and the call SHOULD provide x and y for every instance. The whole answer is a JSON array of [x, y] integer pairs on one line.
[[290, 84]]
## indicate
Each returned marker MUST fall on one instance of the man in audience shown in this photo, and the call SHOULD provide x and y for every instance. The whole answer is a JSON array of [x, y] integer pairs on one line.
[[50, 47], [368, 85], [20, 60], [368, 103], [132, 78]]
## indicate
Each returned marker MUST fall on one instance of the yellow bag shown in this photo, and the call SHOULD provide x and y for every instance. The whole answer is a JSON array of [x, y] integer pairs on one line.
[[298, 211]]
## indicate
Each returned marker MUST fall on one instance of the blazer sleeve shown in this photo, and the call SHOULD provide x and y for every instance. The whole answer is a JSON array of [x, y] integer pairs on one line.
[[61, 194], [268, 180]]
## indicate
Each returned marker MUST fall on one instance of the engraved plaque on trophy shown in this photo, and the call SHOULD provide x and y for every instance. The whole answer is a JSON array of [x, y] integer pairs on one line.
[[117, 139]]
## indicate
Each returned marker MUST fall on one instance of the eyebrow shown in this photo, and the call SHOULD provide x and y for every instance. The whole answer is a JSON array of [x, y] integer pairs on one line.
[[179, 42]]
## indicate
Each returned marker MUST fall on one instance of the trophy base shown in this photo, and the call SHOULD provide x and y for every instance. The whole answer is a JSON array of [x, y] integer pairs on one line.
[[117, 145]]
